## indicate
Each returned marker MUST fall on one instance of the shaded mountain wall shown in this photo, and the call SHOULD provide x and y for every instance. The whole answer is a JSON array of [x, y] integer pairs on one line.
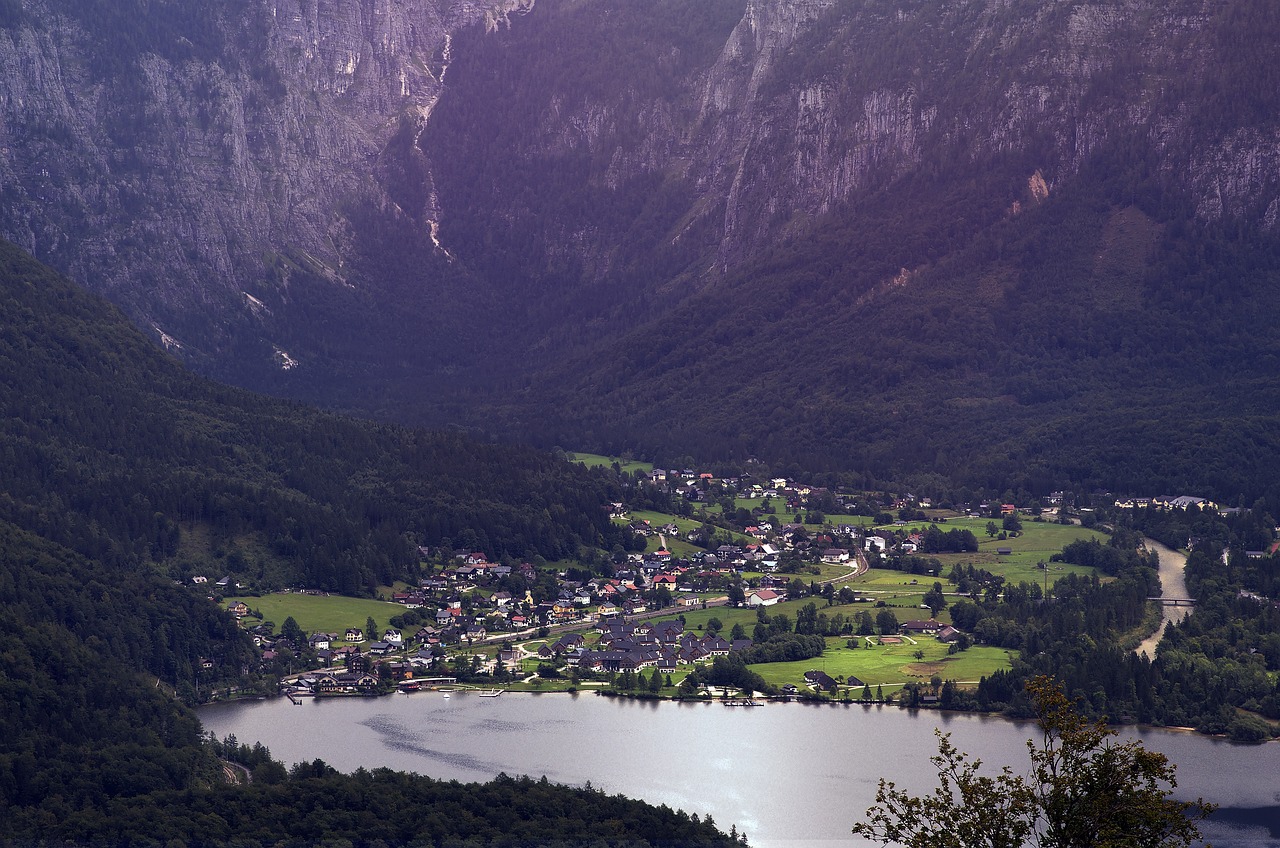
[[589, 223], [189, 163]]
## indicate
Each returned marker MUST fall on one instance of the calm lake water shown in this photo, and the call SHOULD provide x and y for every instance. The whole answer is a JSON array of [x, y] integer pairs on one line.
[[787, 774]]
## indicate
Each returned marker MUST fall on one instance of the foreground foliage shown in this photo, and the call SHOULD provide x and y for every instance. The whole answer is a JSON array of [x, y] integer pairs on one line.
[[1084, 790]]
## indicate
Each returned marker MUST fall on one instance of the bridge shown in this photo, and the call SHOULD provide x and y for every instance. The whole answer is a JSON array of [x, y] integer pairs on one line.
[[1175, 602]]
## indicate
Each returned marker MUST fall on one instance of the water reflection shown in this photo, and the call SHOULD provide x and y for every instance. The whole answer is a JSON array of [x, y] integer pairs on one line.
[[787, 774]]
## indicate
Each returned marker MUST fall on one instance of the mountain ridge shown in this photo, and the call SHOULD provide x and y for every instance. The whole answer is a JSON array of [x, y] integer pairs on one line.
[[689, 169]]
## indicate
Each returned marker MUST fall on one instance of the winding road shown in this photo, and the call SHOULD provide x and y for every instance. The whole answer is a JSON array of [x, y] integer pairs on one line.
[[1173, 584]]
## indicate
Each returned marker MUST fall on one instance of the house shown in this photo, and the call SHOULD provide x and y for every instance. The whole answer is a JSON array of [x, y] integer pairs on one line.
[[763, 598], [835, 555], [354, 634], [948, 634], [928, 628], [665, 581], [689, 601], [239, 609], [393, 637], [716, 646], [819, 681]]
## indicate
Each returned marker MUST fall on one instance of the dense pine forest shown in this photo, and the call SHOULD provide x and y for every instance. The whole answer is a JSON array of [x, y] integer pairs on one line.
[[116, 451], [114, 458]]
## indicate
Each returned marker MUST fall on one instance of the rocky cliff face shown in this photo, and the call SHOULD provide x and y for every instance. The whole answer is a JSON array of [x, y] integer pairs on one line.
[[812, 103], [171, 183], [198, 176]]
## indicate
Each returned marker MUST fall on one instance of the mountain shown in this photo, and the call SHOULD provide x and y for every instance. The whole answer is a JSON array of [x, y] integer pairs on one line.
[[997, 244]]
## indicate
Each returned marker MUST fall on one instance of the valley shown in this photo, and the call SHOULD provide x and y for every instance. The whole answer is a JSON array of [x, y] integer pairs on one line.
[[890, 359]]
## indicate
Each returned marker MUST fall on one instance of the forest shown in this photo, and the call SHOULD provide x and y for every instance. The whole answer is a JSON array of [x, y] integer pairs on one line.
[[1215, 671], [112, 455], [116, 451]]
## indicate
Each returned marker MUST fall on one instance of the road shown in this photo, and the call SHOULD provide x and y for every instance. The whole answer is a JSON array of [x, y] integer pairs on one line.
[[1173, 584], [860, 566]]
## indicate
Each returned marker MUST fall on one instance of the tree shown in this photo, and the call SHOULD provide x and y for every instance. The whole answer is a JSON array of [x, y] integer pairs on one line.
[[887, 622], [935, 599], [370, 629], [965, 810], [1095, 792], [291, 631], [1084, 791], [992, 529]]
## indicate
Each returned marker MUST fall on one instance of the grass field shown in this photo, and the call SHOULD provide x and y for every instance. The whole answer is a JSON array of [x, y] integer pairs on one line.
[[1037, 543], [891, 664], [321, 613], [595, 460], [678, 546]]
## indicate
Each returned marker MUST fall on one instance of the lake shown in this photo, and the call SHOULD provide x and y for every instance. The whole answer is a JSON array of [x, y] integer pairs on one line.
[[787, 774]]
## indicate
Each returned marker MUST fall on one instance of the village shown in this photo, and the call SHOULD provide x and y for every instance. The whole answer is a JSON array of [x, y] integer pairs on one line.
[[498, 623]]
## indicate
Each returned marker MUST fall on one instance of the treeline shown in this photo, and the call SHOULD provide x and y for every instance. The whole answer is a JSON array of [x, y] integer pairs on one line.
[[91, 663], [1215, 671], [314, 804], [114, 450]]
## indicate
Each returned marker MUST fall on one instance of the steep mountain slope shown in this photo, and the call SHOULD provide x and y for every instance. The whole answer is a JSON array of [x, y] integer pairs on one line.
[[115, 450], [221, 169], [994, 242], [732, 227]]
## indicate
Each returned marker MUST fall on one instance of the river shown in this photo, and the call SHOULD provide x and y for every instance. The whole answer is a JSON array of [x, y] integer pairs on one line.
[[1173, 584], [788, 775]]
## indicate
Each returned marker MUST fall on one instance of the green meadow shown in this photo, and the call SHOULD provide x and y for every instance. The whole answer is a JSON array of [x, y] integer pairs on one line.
[[891, 664], [321, 613], [677, 545], [595, 460], [1037, 542]]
